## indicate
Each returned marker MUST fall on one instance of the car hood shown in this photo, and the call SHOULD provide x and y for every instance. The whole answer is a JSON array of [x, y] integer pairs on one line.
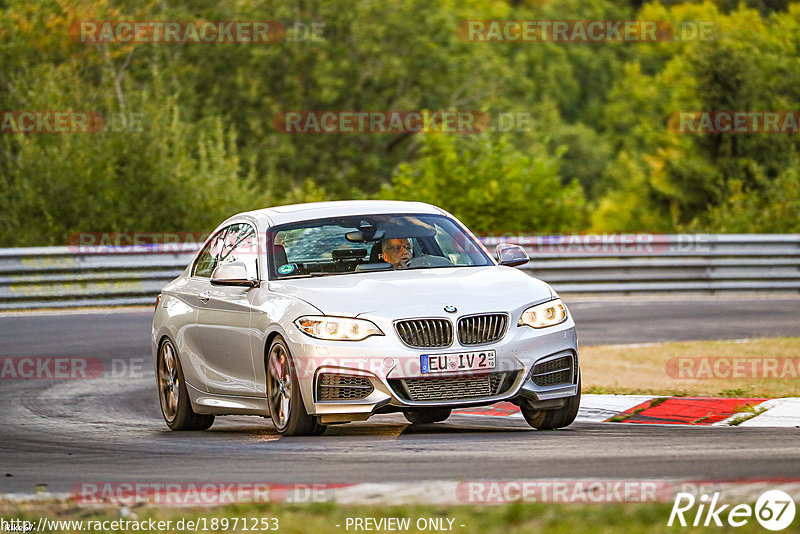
[[418, 292]]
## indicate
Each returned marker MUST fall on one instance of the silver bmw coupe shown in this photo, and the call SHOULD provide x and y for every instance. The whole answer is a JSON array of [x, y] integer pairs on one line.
[[327, 313]]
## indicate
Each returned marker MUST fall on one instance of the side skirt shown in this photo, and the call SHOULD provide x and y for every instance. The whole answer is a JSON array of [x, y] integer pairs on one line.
[[210, 403]]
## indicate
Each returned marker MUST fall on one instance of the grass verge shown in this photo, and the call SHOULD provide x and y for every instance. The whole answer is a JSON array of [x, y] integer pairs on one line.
[[643, 369]]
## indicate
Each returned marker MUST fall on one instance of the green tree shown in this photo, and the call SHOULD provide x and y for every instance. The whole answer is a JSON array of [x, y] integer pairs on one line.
[[490, 185]]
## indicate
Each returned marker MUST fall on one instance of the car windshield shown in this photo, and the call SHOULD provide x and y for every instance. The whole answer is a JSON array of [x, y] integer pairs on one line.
[[365, 243]]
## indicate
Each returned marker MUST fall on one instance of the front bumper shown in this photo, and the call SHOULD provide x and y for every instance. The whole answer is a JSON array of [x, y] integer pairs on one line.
[[389, 368]]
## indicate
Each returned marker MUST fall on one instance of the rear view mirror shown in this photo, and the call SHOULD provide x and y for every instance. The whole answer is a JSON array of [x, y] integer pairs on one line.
[[357, 236], [511, 255]]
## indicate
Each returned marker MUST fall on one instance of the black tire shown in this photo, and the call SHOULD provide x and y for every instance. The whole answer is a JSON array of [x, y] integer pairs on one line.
[[552, 419], [286, 408], [173, 395], [433, 415], [319, 429]]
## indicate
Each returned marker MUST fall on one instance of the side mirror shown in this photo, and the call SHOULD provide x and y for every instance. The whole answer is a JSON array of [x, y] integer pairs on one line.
[[511, 255], [232, 274]]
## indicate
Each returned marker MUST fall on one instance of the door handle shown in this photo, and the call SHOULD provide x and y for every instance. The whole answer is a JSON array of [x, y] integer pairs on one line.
[[204, 296]]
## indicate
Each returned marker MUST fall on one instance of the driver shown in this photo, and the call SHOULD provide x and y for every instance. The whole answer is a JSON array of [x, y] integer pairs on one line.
[[398, 252]]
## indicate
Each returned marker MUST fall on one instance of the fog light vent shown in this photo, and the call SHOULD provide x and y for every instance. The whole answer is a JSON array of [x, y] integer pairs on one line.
[[332, 386], [553, 372]]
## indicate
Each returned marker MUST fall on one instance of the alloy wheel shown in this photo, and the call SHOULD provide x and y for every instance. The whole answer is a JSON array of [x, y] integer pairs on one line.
[[280, 385], [168, 381]]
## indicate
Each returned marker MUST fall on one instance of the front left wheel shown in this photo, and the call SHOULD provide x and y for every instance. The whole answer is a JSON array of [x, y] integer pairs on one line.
[[286, 406], [175, 404]]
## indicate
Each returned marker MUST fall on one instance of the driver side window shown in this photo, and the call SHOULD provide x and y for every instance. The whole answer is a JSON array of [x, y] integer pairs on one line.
[[208, 258], [236, 242], [240, 244]]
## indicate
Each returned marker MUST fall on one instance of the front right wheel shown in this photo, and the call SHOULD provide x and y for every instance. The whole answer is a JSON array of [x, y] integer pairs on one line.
[[552, 419], [286, 408]]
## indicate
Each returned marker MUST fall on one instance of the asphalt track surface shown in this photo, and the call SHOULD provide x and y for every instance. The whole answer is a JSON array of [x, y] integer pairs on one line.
[[63, 432]]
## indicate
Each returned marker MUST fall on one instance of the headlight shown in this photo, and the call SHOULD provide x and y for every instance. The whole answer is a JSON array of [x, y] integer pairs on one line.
[[337, 328], [544, 315]]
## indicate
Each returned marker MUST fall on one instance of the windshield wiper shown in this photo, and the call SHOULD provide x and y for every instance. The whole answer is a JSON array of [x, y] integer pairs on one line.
[[309, 275]]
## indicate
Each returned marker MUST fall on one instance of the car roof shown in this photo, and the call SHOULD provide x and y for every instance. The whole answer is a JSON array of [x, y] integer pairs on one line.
[[316, 210]]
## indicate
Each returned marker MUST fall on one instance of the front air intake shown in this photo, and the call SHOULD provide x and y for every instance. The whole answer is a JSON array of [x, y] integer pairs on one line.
[[554, 372], [425, 333], [482, 329], [446, 388], [332, 386]]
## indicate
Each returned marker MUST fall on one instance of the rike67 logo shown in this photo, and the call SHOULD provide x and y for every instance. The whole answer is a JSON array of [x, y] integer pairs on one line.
[[774, 510]]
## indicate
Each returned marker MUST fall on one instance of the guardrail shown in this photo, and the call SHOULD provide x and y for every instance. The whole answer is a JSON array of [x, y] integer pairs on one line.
[[634, 263], [618, 264]]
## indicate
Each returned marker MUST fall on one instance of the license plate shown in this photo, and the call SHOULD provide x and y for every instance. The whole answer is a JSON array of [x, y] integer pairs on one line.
[[458, 361]]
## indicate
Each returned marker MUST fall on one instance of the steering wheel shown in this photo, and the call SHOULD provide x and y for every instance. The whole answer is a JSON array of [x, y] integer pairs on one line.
[[429, 260]]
